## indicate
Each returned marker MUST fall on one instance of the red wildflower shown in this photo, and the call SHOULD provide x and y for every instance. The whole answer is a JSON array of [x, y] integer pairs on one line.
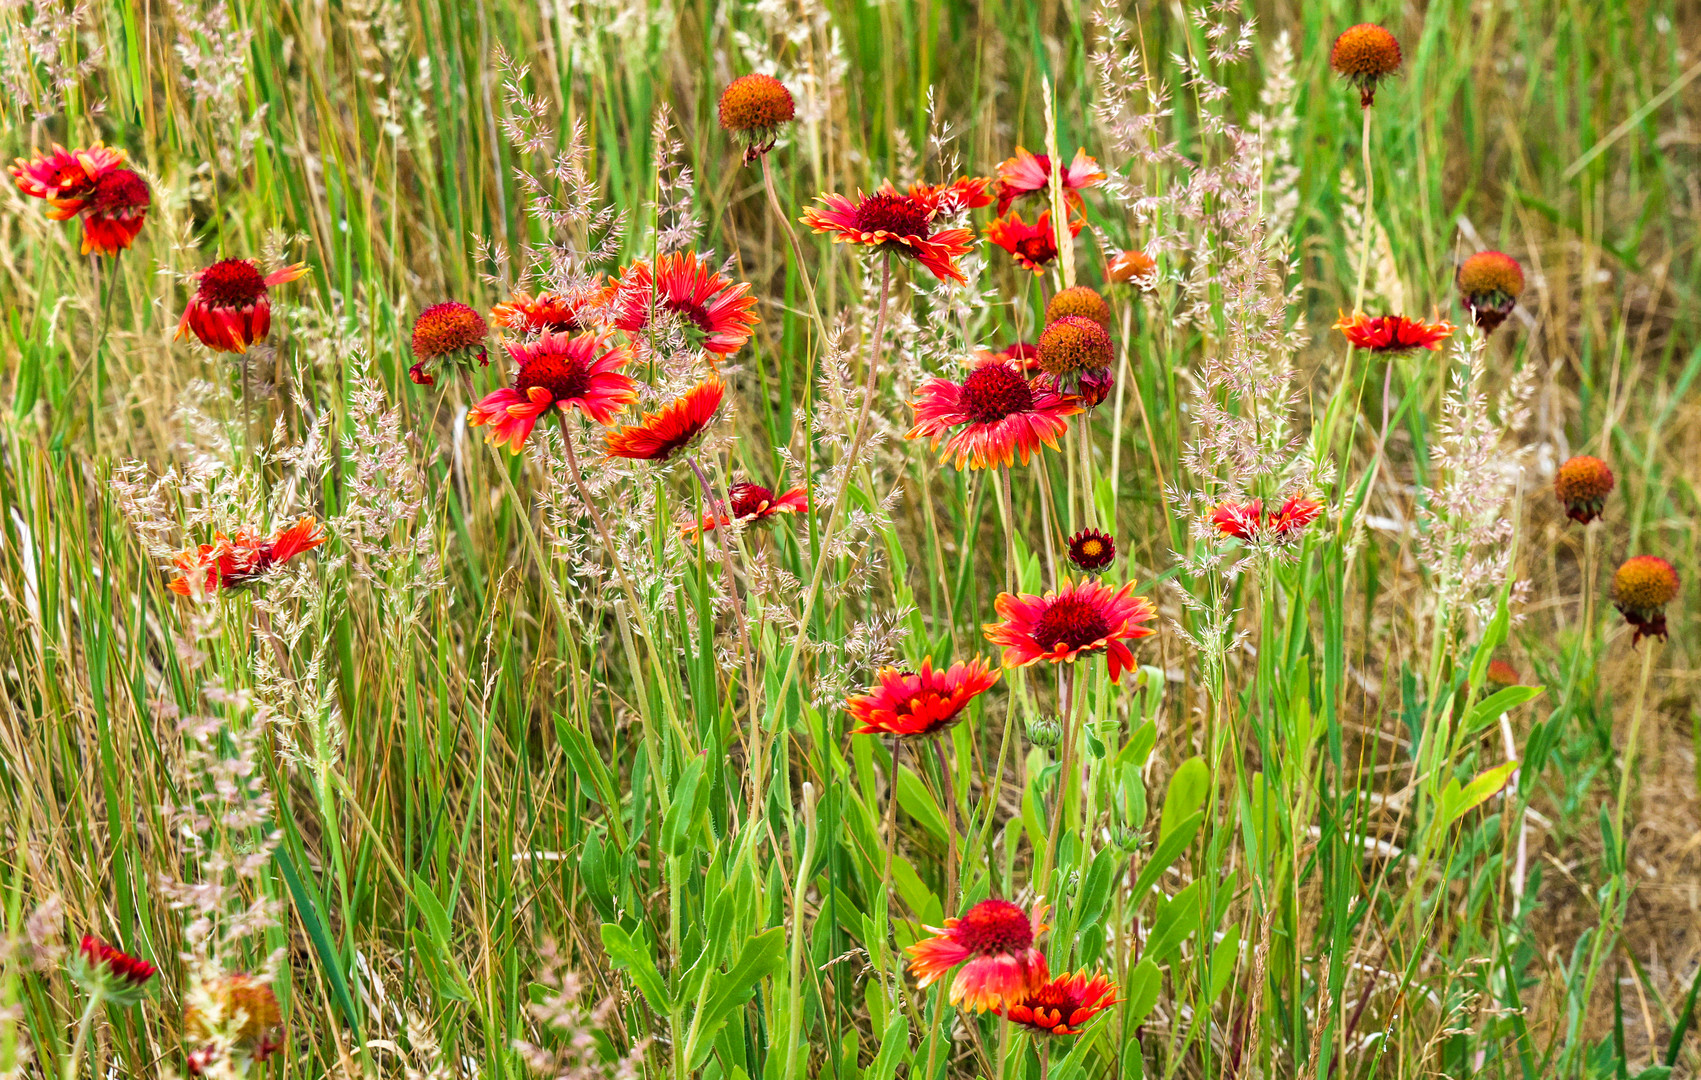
[[907, 703], [1092, 550], [959, 196], [1641, 590], [712, 306], [901, 225], [994, 941], [1392, 333], [116, 210], [1583, 484], [1063, 1005], [1026, 174], [1490, 282], [449, 334], [1239, 520], [231, 562], [65, 178], [231, 308], [1002, 416], [552, 312], [1293, 517], [109, 971], [1033, 246], [1133, 267], [557, 371], [231, 1014], [755, 107], [1076, 620], [1248, 521], [1364, 55], [662, 434], [752, 504], [1500, 673]]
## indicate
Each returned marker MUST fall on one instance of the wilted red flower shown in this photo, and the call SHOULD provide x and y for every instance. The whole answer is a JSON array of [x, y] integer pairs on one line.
[[755, 107], [1032, 246], [898, 224], [1026, 174], [557, 371], [549, 312], [1135, 268], [1073, 346], [662, 434], [65, 178], [1092, 550], [1076, 620], [1641, 590], [1500, 673], [1364, 55], [919, 703], [752, 504], [994, 941], [234, 1014], [1002, 415], [959, 196], [1490, 282], [1392, 333], [1583, 484], [116, 210], [714, 308], [231, 562], [1063, 1005], [1083, 301], [449, 334], [110, 972], [231, 308]]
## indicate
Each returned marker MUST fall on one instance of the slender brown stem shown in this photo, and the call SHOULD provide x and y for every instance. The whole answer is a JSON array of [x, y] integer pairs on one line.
[[715, 504]]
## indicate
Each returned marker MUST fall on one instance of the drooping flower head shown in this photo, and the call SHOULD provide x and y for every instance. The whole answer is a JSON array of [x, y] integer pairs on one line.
[[1062, 1005], [1092, 550], [233, 1016], [1032, 246], [1028, 174], [1072, 347], [1364, 55], [1490, 283], [894, 223], [232, 307], [994, 941], [1082, 301], [752, 504], [447, 335], [65, 178], [717, 314], [1079, 619], [755, 107], [116, 210], [1583, 484], [662, 435], [919, 703], [232, 562], [551, 312], [109, 972], [1133, 267], [1392, 333], [1000, 413], [1641, 590], [1502, 674], [557, 371]]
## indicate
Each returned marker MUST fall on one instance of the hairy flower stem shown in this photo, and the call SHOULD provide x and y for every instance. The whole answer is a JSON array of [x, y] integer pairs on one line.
[[797, 254], [1630, 747], [84, 1023], [715, 505], [891, 848], [1006, 511], [950, 825]]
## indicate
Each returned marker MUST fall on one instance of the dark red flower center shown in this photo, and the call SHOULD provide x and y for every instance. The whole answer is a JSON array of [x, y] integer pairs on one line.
[[994, 391], [1040, 248], [234, 283], [119, 191], [69, 174], [748, 499], [1071, 621], [565, 377], [995, 926], [900, 215]]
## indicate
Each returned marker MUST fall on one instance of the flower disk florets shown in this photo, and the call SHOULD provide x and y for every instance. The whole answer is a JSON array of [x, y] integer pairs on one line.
[[1092, 550], [1081, 300], [995, 926], [1583, 484], [1490, 282], [993, 391], [1364, 54], [1071, 621], [450, 333], [232, 283], [756, 105], [1073, 346]]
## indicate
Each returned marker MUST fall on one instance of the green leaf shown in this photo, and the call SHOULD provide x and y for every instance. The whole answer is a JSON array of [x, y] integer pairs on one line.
[[1176, 922], [1456, 802], [1489, 709], [918, 804], [1095, 892], [1187, 791], [637, 959], [760, 957], [1144, 982], [894, 1046], [1224, 958], [679, 828], [1164, 855]]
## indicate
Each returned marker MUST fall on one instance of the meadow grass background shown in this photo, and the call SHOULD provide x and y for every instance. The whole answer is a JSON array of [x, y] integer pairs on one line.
[[434, 836]]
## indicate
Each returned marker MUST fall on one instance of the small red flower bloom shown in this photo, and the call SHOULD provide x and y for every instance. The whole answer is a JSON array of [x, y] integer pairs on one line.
[[64, 177], [1392, 333], [1364, 55], [1295, 514], [1001, 413], [1063, 1005], [1238, 520], [232, 562], [906, 703], [1076, 620], [116, 210], [1032, 246], [449, 334], [1583, 484], [557, 371], [231, 308], [753, 504], [723, 313], [959, 196], [550, 312], [1135, 268], [994, 941], [1092, 550], [1641, 590], [1248, 521], [1500, 673], [755, 107], [109, 971], [1026, 174], [898, 224], [660, 435], [1490, 282]]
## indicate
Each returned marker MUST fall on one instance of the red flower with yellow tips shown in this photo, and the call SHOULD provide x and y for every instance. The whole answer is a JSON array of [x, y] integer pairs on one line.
[[557, 371], [919, 703], [65, 178], [1078, 619], [232, 307], [994, 943], [552, 312], [752, 504], [1032, 246], [992, 417], [1029, 174], [661, 435], [1062, 1005], [894, 223], [110, 972], [232, 562], [1392, 333], [959, 196], [1092, 550], [115, 211], [715, 309]]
